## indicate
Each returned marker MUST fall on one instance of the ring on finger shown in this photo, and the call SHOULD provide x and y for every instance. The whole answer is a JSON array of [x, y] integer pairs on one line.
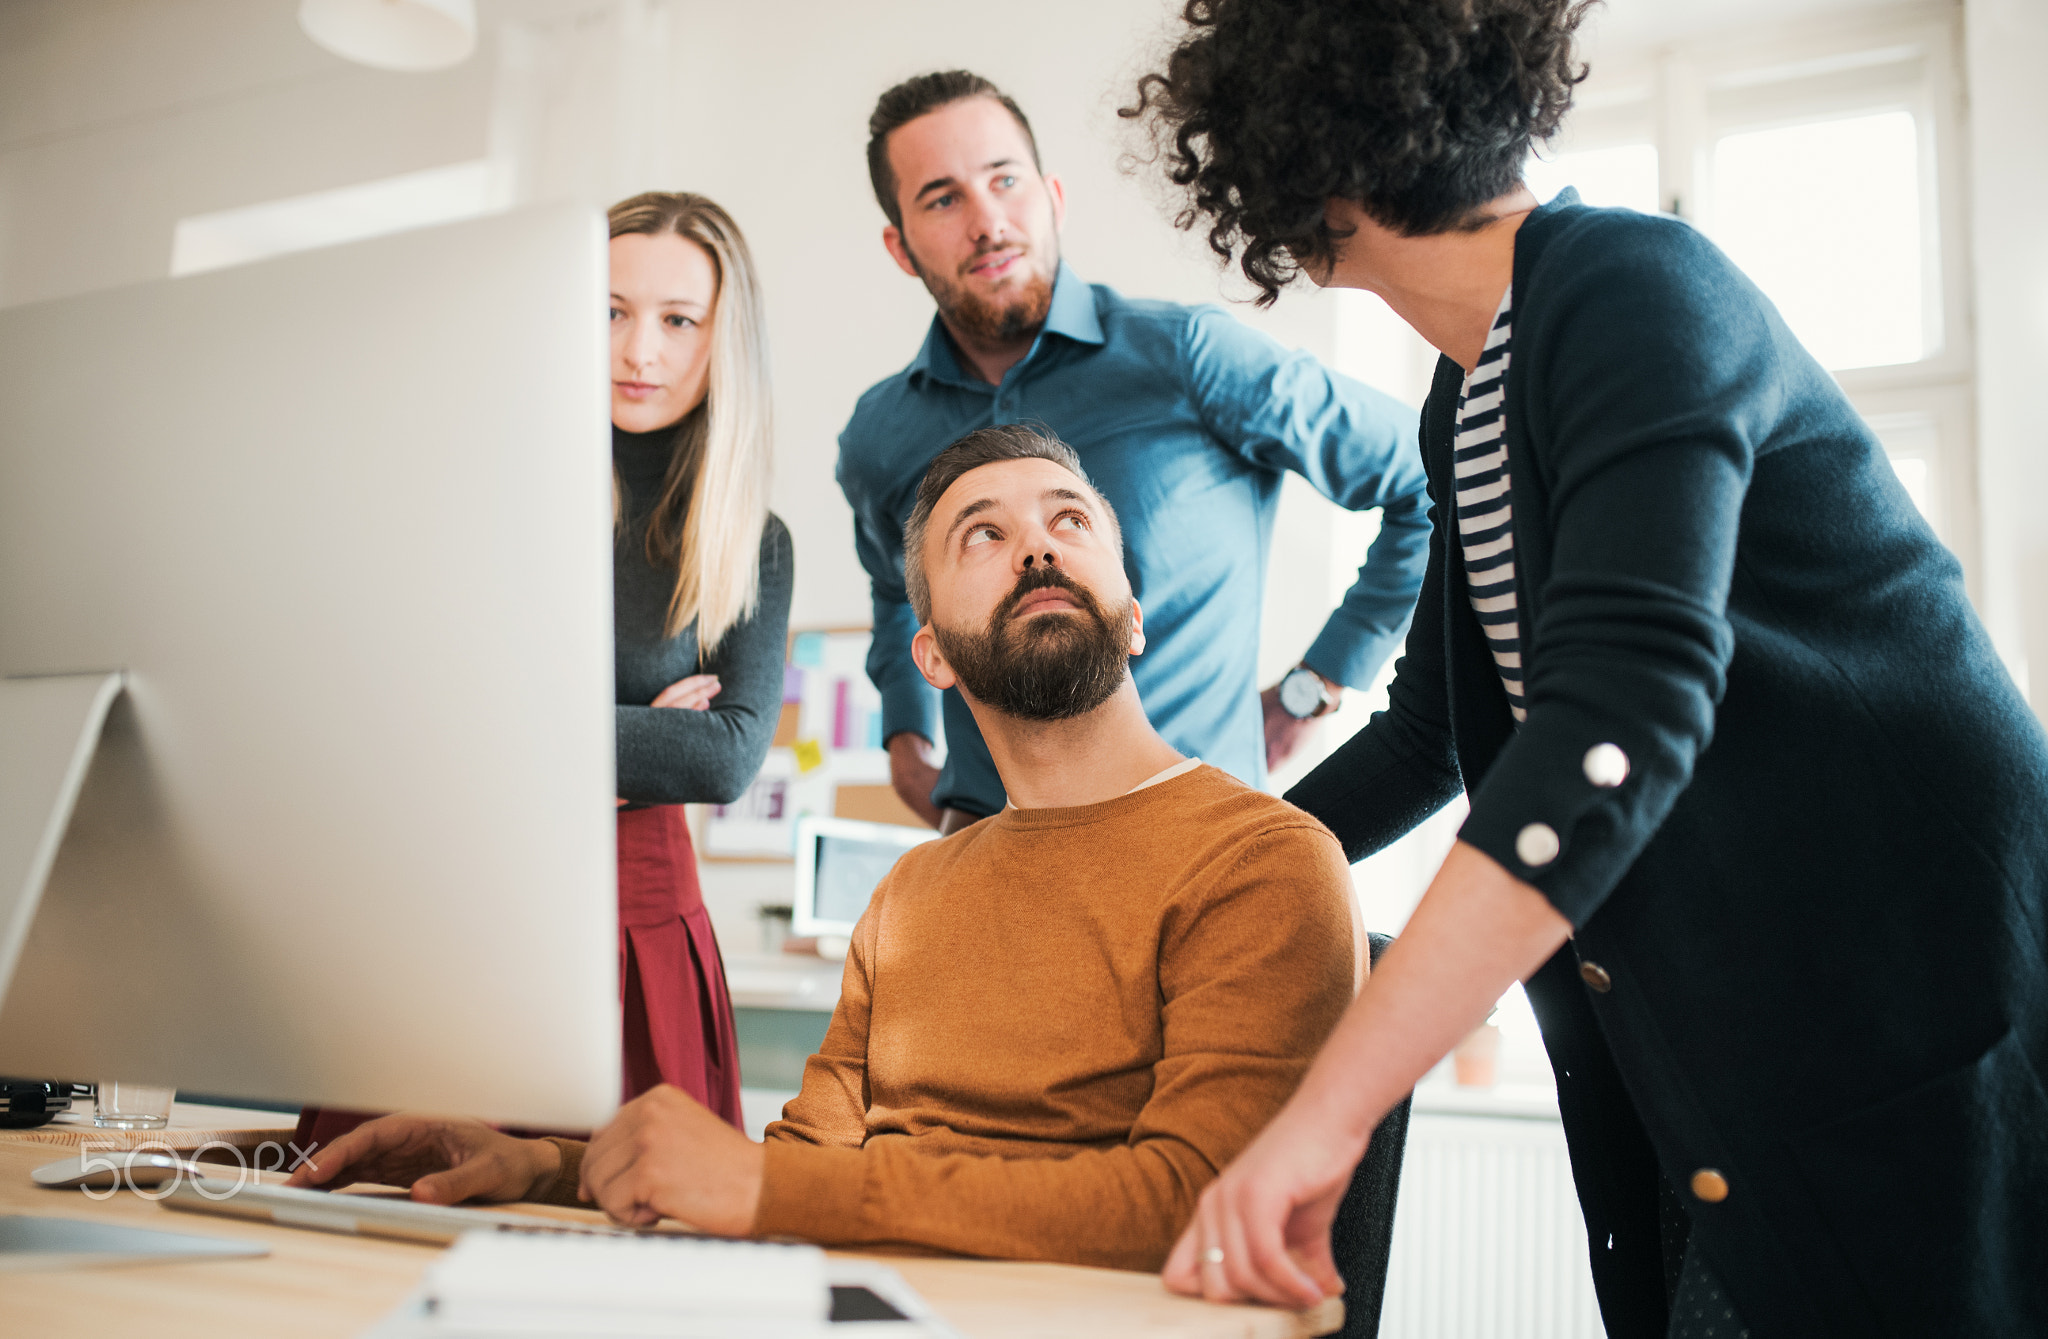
[[1214, 1255]]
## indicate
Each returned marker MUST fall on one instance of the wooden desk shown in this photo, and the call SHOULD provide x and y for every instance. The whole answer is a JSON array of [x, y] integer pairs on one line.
[[319, 1283], [191, 1127]]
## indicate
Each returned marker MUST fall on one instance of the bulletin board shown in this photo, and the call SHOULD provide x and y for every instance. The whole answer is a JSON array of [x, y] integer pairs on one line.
[[826, 759]]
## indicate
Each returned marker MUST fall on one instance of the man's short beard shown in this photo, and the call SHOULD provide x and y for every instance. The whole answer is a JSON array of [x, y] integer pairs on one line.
[[1053, 666], [978, 317]]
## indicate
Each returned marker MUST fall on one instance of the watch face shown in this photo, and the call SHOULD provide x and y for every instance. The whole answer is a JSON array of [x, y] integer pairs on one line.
[[1300, 694]]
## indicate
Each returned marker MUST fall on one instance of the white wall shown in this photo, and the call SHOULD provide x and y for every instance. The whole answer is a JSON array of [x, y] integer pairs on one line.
[[119, 117], [772, 106], [771, 103], [2006, 49]]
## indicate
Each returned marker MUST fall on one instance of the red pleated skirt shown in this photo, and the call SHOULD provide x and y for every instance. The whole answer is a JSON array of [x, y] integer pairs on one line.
[[677, 1014]]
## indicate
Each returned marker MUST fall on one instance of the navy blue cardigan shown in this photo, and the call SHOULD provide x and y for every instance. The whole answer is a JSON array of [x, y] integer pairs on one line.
[[1818, 898]]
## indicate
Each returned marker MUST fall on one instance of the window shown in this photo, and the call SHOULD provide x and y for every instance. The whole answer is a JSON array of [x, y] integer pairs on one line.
[[1825, 160], [1825, 217], [1912, 441], [1623, 175]]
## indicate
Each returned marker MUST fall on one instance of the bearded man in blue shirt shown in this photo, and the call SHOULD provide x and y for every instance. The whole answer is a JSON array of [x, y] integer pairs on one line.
[[1185, 418]]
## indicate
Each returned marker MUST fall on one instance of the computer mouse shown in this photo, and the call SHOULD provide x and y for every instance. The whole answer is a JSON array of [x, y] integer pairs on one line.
[[105, 1168]]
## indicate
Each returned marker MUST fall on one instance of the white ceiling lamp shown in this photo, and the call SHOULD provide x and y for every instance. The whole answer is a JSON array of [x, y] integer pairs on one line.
[[409, 35]]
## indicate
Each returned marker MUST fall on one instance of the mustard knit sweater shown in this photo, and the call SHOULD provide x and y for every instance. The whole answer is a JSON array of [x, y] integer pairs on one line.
[[1058, 1025]]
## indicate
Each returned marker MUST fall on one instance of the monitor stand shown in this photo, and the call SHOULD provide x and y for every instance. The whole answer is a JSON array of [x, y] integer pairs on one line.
[[32, 1242], [49, 727]]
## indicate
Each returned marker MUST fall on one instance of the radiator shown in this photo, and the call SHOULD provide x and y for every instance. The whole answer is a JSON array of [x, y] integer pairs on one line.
[[1488, 1240]]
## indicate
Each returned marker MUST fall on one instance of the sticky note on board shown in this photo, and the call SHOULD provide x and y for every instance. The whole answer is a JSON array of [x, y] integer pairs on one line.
[[808, 650], [810, 755]]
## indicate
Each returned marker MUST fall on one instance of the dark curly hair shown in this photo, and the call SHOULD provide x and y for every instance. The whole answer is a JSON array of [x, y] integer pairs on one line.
[[1419, 110]]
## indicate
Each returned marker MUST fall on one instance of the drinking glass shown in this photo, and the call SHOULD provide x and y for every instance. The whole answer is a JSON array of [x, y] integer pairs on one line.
[[131, 1106]]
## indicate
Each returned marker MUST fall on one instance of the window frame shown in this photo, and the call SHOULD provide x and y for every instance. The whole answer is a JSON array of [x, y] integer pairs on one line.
[[1683, 96]]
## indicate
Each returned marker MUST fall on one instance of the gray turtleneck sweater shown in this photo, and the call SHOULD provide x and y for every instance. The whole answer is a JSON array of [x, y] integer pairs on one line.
[[668, 755]]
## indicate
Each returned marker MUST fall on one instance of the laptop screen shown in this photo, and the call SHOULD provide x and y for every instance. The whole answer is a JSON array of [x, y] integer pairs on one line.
[[849, 868]]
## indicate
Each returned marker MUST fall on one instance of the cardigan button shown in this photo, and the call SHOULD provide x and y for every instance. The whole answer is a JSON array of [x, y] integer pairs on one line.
[[1537, 845], [1594, 975], [1709, 1186], [1606, 766]]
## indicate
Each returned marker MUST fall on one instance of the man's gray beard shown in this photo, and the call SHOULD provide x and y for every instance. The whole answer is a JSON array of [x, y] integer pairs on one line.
[[1053, 667]]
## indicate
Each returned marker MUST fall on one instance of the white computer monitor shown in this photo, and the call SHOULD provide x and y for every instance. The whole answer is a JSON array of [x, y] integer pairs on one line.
[[839, 863], [343, 519]]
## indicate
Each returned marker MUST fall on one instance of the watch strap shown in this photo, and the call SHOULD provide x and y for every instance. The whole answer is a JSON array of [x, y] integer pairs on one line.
[[1326, 701]]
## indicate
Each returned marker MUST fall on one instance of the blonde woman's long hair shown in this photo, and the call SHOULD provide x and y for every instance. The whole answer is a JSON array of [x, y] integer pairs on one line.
[[714, 500]]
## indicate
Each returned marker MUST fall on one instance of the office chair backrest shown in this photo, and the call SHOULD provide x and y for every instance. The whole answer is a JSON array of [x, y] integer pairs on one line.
[[1363, 1233]]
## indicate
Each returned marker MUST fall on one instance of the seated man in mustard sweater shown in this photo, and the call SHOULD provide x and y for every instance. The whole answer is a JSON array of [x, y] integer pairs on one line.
[[1057, 1024]]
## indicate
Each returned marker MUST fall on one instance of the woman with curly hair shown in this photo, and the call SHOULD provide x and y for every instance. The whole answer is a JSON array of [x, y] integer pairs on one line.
[[1794, 985]]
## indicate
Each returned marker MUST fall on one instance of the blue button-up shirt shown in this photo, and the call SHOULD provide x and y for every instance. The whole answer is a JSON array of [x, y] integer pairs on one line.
[[1184, 419]]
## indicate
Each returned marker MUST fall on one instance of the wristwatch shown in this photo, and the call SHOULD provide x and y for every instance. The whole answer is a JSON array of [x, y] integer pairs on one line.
[[1304, 696]]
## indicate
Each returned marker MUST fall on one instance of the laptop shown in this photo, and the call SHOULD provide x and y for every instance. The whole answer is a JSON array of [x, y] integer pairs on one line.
[[839, 863]]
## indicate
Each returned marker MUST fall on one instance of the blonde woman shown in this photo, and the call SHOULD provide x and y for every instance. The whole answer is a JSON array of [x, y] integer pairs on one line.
[[701, 581]]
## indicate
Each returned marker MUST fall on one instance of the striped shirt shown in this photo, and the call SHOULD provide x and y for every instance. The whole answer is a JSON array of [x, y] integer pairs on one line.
[[1486, 529]]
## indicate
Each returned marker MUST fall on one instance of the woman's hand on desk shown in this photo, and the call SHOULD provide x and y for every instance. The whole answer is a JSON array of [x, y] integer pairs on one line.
[[1262, 1229], [1262, 1232], [443, 1160]]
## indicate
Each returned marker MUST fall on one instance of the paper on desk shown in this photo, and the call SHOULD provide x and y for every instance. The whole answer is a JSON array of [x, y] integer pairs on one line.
[[526, 1287], [508, 1281]]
